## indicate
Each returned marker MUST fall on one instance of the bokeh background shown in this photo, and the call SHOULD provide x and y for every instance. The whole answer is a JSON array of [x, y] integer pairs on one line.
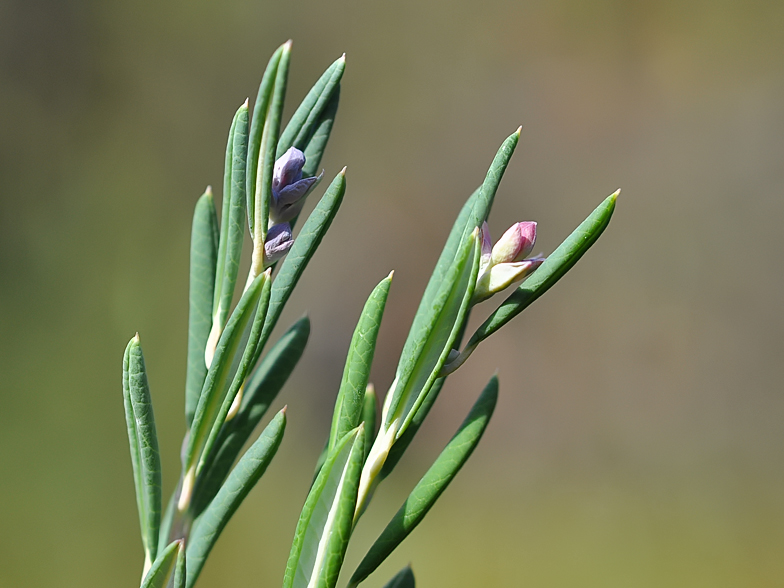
[[639, 438]]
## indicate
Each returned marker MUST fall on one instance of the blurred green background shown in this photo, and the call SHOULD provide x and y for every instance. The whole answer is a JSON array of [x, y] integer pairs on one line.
[[639, 439]]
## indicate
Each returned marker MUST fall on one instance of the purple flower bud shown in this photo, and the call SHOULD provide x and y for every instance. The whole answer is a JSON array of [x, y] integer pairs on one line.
[[287, 169], [289, 188], [278, 243], [515, 244]]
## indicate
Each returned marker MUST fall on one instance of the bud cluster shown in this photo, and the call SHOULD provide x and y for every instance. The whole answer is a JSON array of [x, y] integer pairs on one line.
[[289, 191], [504, 263]]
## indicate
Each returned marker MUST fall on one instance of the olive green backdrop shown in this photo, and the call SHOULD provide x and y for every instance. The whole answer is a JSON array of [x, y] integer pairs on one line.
[[639, 439]]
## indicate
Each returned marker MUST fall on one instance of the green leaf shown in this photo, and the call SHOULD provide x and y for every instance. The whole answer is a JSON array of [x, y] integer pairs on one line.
[[166, 523], [143, 441], [204, 255], [248, 360], [426, 349], [162, 569], [260, 109], [403, 579], [269, 141], [401, 444], [217, 384], [432, 484], [232, 222], [180, 569], [555, 266], [324, 527], [304, 247], [208, 527], [309, 114], [370, 417], [318, 142], [350, 402], [260, 391], [474, 212]]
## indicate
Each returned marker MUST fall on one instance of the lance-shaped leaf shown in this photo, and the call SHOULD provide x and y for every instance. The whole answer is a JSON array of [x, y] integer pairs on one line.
[[318, 142], [246, 363], [216, 385], [260, 110], [350, 402], [204, 255], [165, 566], [243, 477], [427, 348], [403, 579], [474, 212], [401, 444], [232, 227], [324, 527], [262, 193], [260, 391], [554, 267], [180, 569], [143, 441], [432, 484], [309, 113], [370, 416], [304, 247]]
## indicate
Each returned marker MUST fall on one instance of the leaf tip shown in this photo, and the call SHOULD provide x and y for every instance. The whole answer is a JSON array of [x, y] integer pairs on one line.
[[615, 195], [287, 45], [245, 104], [284, 409], [342, 58], [208, 191], [343, 171], [391, 275], [135, 338], [518, 131]]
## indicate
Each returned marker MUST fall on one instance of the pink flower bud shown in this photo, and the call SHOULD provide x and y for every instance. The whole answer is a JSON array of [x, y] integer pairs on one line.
[[515, 244]]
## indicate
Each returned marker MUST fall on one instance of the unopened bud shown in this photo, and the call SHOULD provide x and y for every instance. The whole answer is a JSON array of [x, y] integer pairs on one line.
[[503, 275], [289, 188], [515, 244], [487, 248], [278, 243]]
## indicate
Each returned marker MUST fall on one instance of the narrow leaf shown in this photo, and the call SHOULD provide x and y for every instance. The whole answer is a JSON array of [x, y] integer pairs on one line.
[[317, 143], [432, 484], [180, 569], [304, 247], [232, 220], [403, 579], [474, 212], [204, 255], [243, 477], [306, 118], [269, 142], [370, 417], [555, 266], [402, 443], [162, 569], [260, 391], [144, 446], [260, 109], [324, 527], [426, 350], [350, 402], [217, 384], [246, 363]]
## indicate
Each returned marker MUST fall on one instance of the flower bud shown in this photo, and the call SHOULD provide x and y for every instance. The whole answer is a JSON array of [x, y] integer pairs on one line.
[[278, 243], [503, 275], [515, 244], [289, 188]]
